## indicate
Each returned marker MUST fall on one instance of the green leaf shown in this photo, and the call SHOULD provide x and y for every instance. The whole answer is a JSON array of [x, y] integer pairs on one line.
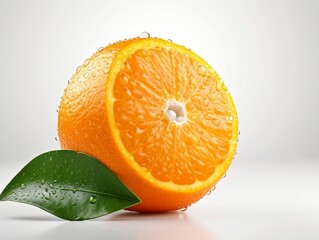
[[70, 185]]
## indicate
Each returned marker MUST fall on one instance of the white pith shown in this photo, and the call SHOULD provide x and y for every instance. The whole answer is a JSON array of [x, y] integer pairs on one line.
[[176, 112]]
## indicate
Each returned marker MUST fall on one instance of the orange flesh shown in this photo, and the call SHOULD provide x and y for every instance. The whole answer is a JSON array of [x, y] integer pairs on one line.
[[172, 152]]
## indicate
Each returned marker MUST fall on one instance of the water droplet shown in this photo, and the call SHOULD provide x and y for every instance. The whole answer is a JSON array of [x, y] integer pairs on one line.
[[86, 62], [201, 70], [169, 40], [73, 203], [78, 68], [183, 209], [51, 185], [224, 175], [209, 192], [43, 181], [23, 186], [219, 86], [86, 75], [238, 132], [46, 194], [93, 199], [74, 190], [83, 185], [139, 131], [56, 139], [215, 121], [145, 35], [53, 192]]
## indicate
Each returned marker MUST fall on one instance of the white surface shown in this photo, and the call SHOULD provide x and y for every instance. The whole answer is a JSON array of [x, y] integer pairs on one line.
[[267, 54], [253, 202], [265, 51]]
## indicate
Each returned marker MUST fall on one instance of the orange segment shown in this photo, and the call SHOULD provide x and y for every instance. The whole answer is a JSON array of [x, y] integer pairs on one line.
[[157, 115]]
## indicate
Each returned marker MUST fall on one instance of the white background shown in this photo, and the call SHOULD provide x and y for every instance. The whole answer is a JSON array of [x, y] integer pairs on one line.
[[267, 53]]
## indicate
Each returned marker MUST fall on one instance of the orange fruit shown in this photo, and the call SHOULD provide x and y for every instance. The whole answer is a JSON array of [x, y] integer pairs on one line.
[[157, 115]]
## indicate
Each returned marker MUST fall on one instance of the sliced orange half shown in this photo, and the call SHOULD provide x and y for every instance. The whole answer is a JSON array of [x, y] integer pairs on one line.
[[157, 115]]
